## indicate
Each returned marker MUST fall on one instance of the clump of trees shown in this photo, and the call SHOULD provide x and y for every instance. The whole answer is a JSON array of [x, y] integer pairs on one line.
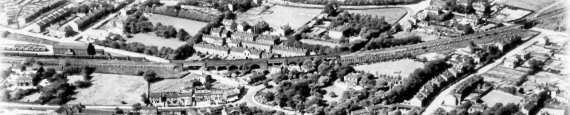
[[137, 23], [118, 42], [391, 42]]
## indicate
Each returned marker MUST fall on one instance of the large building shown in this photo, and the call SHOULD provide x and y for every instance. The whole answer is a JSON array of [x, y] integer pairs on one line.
[[49, 19], [73, 49], [171, 99]]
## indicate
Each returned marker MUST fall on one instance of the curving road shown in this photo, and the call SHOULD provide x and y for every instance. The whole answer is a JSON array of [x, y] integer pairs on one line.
[[436, 103]]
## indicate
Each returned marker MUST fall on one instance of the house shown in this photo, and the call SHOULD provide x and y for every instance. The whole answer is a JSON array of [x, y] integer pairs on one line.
[[256, 45], [213, 40], [418, 100], [49, 19], [243, 36], [85, 21], [171, 99], [212, 49], [267, 39], [338, 32], [233, 43], [285, 51], [352, 79], [219, 32], [21, 77]]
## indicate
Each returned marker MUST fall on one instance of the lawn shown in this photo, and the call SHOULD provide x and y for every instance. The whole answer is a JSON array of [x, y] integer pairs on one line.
[[149, 39], [190, 26], [496, 96], [110, 89], [533, 5], [401, 67], [392, 15]]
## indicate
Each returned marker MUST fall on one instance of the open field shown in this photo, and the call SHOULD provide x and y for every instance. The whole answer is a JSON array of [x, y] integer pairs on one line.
[[553, 18], [527, 4], [110, 89], [392, 15], [510, 14], [191, 26], [149, 39], [402, 67], [278, 16]]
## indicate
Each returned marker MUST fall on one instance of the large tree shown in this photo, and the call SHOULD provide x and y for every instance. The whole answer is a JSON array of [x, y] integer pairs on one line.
[[91, 49]]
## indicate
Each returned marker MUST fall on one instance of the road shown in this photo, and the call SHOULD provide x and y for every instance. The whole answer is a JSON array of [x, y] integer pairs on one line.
[[436, 103]]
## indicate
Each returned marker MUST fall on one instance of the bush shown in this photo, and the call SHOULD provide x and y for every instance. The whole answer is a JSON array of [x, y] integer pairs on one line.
[[83, 84]]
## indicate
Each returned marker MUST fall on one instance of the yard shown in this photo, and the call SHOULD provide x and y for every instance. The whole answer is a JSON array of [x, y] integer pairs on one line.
[[338, 88], [190, 26], [397, 68], [110, 89], [149, 39]]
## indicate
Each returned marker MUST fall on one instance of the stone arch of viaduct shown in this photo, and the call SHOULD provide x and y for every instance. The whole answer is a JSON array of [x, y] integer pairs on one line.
[[246, 64]]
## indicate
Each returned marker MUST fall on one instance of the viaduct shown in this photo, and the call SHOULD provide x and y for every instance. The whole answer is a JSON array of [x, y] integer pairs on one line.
[[132, 65]]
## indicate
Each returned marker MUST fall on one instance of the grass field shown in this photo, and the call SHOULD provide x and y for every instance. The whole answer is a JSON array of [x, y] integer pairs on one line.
[[191, 26], [527, 4], [110, 89], [400, 67], [151, 39]]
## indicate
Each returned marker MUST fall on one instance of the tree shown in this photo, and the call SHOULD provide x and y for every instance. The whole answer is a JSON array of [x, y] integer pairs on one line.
[[260, 27], [91, 49], [331, 9], [149, 76], [137, 106], [119, 111], [182, 35]]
